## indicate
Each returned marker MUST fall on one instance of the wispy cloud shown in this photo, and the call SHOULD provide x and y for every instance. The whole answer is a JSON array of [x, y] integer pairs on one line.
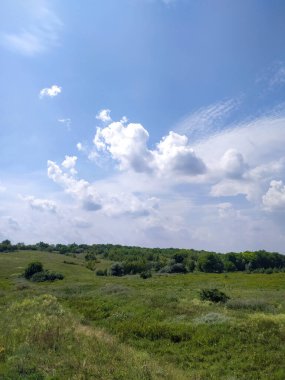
[[50, 92], [279, 76], [273, 76], [38, 31], [66, 122], [206, 120]]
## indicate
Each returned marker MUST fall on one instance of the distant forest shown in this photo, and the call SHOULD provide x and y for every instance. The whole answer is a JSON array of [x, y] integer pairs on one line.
[[136, 260]]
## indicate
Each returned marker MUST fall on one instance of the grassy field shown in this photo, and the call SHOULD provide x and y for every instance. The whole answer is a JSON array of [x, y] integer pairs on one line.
[[91, 327]]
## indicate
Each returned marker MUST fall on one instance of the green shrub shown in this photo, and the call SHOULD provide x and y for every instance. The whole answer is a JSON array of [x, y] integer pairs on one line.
[[213, 295], [146, 274], [33, 268], [117, 269], [91, 264], [45, 275]]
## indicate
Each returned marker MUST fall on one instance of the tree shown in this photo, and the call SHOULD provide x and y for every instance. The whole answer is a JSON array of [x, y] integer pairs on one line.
[[117, 269], [210, 263]]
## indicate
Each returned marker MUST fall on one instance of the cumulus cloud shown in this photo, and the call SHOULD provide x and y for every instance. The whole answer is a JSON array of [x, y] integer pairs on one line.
[[40, 204], [274, 199], [127, 144], [69, 163], [104, 115], [80, 147], [233, 164], [173, 154], [79, 189], [109, 203], [51, 92]]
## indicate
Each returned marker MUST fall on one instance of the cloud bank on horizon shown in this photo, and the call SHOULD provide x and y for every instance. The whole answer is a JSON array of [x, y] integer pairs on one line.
[[199, 159]]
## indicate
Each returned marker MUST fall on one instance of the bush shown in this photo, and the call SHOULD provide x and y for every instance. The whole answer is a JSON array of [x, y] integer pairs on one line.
[[146, 274], [213, 295], [45, 275], [35, 272], [33, 268], [178, 268], [117, 269]]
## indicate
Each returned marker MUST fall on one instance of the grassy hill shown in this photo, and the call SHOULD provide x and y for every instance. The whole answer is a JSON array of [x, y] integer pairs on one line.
[[92, 327]]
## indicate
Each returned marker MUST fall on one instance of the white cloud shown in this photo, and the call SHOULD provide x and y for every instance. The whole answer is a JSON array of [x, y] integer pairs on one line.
[[274, 199], [80, 147], [24, 42], [66, 122], [79, 189], [36, 31], [51, 92], [113, 203], [174, 155], [232, 188], [104, 115], [233, 164], [69, 163], [40, 204], [127, 144]]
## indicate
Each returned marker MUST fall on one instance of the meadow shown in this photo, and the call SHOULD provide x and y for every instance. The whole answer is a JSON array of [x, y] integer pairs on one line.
[[108, 327]]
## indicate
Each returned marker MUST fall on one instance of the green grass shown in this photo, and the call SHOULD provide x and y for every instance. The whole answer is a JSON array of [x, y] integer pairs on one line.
[[90, 327]]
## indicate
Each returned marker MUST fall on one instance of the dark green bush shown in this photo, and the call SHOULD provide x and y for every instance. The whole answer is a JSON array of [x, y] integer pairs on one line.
[[213, 295], [178, 268], [45, 275], [146, 274], [117, 269], [33, 268]]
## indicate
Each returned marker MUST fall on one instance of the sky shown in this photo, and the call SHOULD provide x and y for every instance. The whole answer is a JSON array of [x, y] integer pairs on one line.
[[158, 123]]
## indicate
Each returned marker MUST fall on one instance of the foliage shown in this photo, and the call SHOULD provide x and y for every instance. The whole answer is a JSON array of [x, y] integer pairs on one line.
[[46, 275], [136, 260], [41, 340], [213, 295], [6, 246], [145, 275], [36, 273], [211, 263], [125, 328], [32, 269], [117, 269]]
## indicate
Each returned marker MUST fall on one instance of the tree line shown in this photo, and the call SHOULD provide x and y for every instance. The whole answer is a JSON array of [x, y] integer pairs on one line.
[[133, 260]]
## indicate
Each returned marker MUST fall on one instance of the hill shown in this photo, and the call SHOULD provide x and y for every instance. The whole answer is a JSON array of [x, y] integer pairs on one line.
[[126, 327]]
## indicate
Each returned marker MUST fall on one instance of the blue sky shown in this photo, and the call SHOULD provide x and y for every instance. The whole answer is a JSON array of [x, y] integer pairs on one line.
[[143, 122]]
